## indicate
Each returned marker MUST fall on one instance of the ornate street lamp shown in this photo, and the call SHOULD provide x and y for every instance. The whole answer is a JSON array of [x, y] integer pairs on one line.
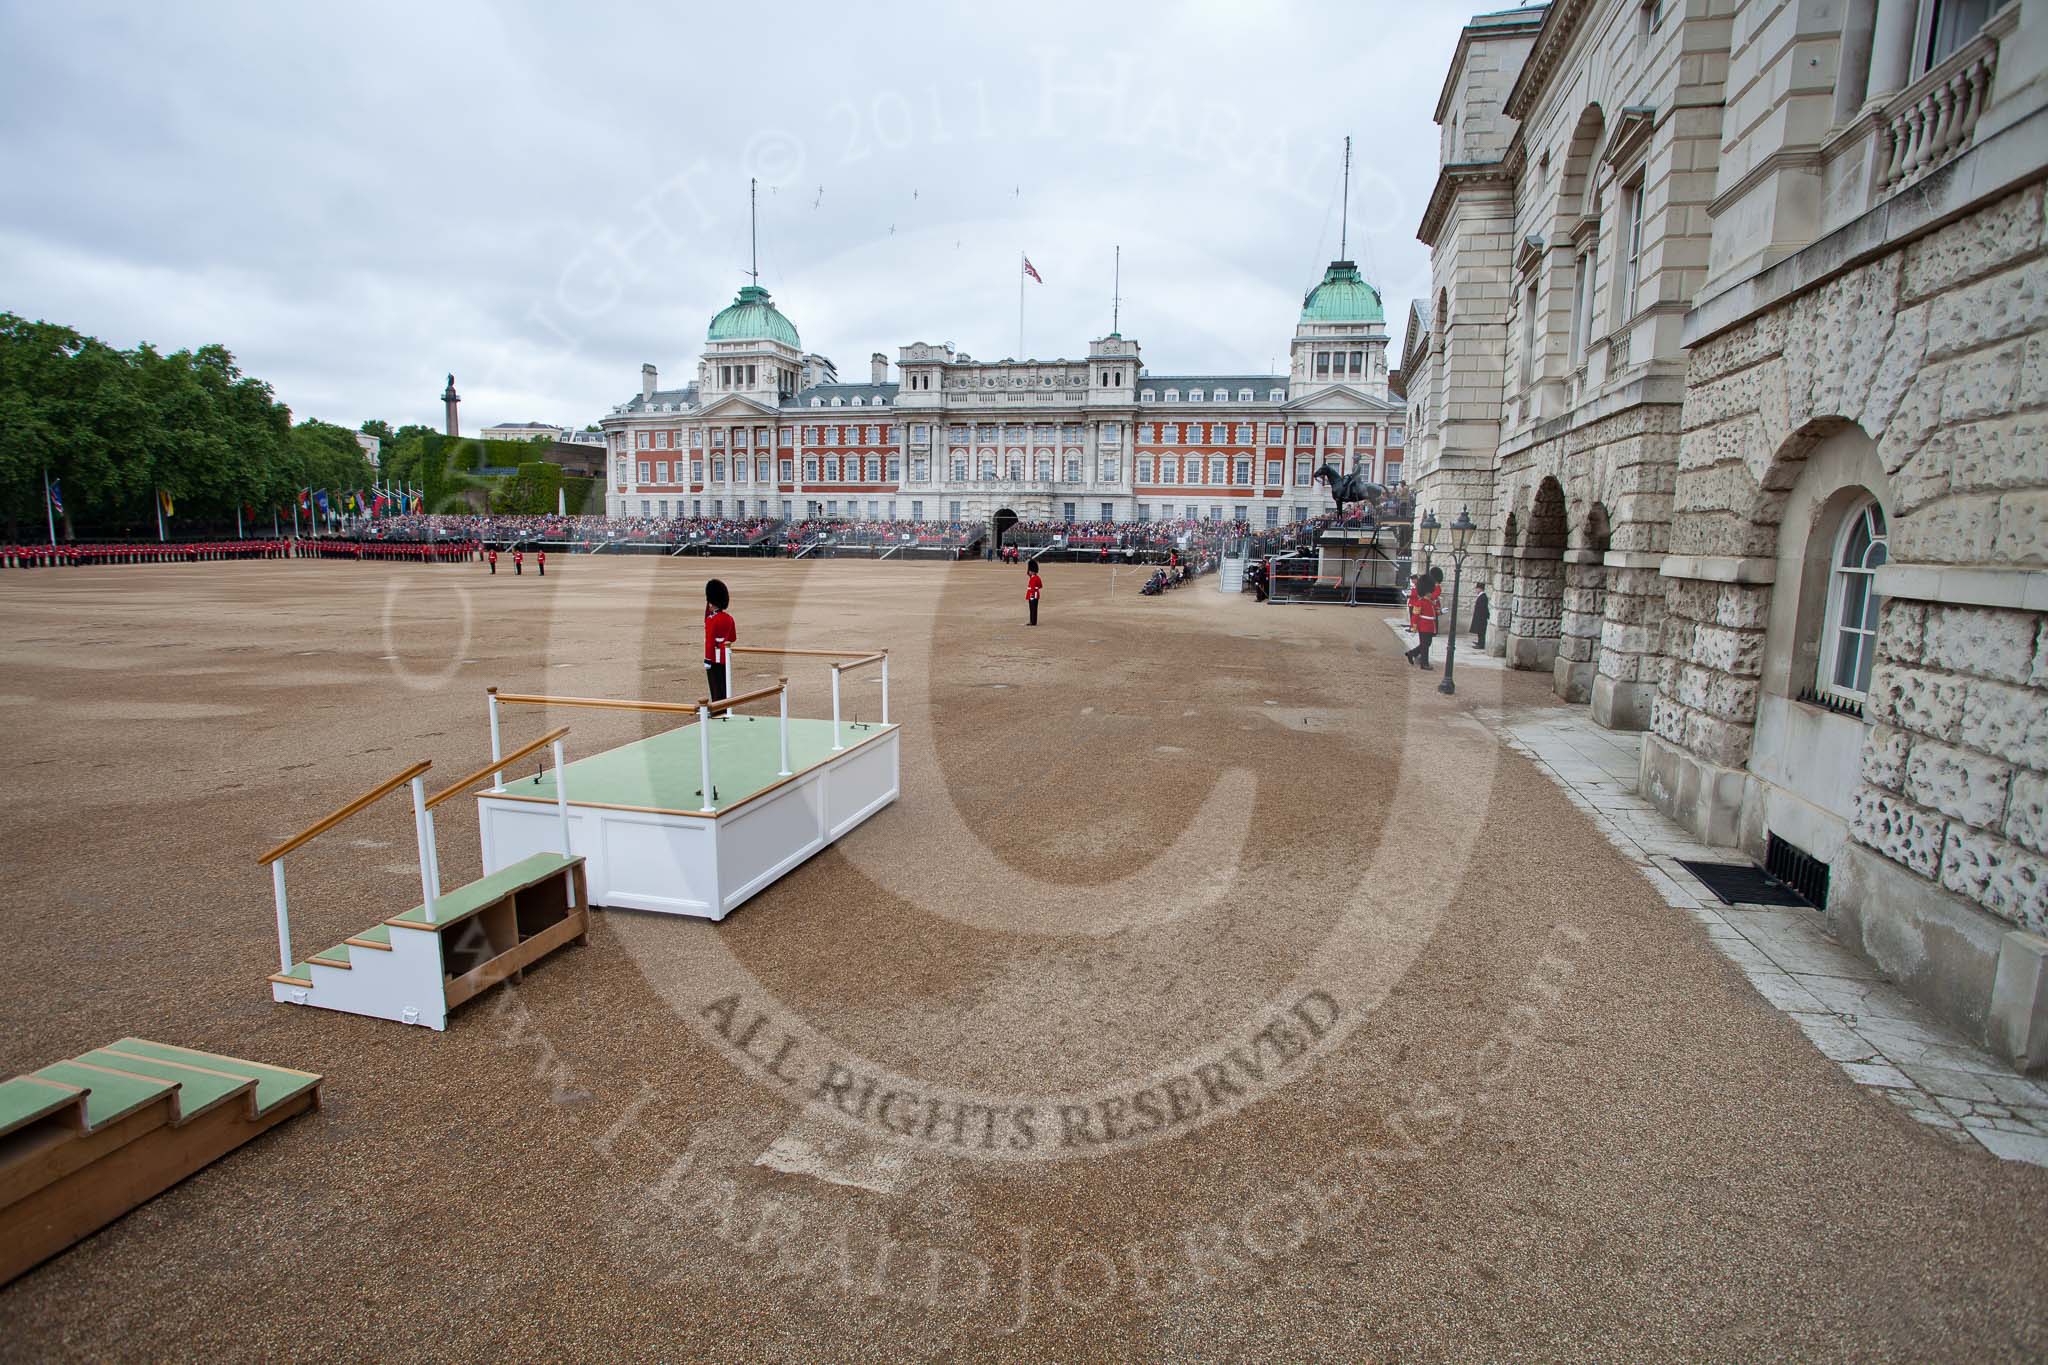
[[1461, 533]]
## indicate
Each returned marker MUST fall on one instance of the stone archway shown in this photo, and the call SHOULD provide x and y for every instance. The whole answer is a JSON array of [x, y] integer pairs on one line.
[[1583, 608], [1539, 584], [1502, 598]]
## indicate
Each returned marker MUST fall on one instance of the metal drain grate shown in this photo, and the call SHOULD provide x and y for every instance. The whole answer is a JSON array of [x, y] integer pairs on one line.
[[1744, 884]]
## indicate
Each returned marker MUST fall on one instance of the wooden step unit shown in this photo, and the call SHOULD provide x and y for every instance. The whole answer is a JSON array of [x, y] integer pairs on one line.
[[85, 1140]]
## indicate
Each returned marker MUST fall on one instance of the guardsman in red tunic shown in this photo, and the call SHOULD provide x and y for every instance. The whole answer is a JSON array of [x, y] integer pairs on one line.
[[493, 558], [518, 559], [1032, 586], [540, 561], [719, 633]]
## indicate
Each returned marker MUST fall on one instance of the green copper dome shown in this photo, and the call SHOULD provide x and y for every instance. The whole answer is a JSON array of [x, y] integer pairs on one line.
[[1343, 296], [753, 316]]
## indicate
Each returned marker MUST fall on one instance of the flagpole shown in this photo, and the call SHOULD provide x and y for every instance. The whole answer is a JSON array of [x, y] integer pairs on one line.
[[49, 509], [159, 516], [1021, 258], [238, 521]]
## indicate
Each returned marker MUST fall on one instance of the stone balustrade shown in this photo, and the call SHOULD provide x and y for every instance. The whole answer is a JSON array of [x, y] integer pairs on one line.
[[1935, 117]]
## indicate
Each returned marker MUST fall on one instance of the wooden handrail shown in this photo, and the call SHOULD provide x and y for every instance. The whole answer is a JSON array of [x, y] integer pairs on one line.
[[860, 663], [813, 653], [601, 703], [328, 822], [462, 785], [707, 704]]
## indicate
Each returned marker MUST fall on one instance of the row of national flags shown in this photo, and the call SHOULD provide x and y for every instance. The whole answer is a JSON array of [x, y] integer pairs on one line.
[[375, 501]]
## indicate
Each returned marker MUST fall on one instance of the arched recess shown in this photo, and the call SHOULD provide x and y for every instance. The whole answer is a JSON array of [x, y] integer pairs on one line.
[[1824, 473], [1578, 189], [1583, 609], [1539, 583]]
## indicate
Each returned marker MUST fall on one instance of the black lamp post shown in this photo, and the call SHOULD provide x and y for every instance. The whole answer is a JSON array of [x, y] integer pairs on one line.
[[1461, 532]]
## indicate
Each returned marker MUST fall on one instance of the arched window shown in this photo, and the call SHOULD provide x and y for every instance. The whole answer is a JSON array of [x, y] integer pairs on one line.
[[1849, 637]]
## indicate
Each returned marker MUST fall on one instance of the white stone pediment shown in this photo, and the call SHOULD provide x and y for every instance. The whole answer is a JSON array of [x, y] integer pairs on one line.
[[736, 405], [1339, 398]]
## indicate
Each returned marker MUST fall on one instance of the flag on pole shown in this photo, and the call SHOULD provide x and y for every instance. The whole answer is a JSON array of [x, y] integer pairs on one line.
[[1032, 271], [320, 498], [306, 499], [170, 508], [57, 496]]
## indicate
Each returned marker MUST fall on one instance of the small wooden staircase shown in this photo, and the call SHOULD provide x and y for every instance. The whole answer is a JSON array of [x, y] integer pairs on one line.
[[84, 1141], [416, 967]]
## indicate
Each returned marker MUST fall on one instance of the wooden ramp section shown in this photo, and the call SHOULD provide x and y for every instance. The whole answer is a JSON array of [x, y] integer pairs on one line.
[[84, 1141], [416, 967]]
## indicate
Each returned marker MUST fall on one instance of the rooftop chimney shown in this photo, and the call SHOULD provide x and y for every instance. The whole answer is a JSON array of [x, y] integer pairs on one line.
[[647, 376], [878, 368]]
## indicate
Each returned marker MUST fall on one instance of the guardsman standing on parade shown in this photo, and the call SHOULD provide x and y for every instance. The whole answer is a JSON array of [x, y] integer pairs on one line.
[[492, 556], [719, 633], [540, 561], [518, 559], [1032, 586]]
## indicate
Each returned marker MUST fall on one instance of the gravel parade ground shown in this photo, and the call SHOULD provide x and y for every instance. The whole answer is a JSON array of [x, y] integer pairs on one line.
[[1215, 989]]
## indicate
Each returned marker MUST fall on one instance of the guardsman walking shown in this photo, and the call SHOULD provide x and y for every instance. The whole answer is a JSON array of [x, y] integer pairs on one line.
[[1033, 585], [719, 633], [540, 561], [492, 558], [518, 560]]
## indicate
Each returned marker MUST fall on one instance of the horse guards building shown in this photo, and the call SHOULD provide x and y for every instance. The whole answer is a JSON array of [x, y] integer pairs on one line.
[[768, 430], [1737, 351]]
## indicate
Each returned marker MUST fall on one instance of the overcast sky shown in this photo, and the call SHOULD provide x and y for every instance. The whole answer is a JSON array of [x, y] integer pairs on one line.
[[357, 199]]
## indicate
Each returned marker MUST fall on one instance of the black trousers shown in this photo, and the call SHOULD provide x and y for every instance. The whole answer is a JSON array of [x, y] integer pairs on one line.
[[1479, 637], [714, 675], [1426, 639], [1033, 604]]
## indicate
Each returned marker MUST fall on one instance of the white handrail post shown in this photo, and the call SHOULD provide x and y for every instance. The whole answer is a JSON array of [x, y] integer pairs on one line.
[[704, 753], [434, 854], [498, 777], [782, 701], [836, 745], [885, 687], [728, 671], [419, 827], [562, 796], [284, 924]]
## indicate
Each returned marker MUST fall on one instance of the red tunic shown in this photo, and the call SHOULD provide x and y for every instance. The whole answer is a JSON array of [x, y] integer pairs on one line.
[[719, 631], [1031, 587]]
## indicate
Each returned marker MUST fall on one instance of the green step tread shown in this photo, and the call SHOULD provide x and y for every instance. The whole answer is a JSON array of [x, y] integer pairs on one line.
[[465, 901], [112, 1097], [23, 1101], [273, 1083], [300, 972], [198, 1090], [337, 956], [376, 933]]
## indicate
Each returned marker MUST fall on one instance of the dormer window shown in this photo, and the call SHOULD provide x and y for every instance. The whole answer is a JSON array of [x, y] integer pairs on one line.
[[1173, 395], [1244, 395], [1146, 396], [1194, 395], [1277, 396], [817, 402]]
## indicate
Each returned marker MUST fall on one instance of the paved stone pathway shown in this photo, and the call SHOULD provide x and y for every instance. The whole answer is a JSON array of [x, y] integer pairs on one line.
[[1879, 1036]]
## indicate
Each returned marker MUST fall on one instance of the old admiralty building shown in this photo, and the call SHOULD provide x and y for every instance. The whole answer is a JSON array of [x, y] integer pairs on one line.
[[768, 429]]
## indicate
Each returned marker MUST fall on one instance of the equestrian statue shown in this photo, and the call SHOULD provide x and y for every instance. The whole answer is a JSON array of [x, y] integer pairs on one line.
[[1352, 487]]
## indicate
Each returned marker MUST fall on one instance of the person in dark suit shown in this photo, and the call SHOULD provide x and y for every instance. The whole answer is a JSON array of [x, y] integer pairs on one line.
[[1480, 611]]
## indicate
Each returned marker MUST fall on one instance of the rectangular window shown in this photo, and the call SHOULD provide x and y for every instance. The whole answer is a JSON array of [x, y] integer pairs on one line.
[[1144, 469], [1274, 474], [642, 441], [874, 510], [1169, 469], [1144, 511], [718, 438], [1275, 434], [832, 469], [696, 438], [954, 513], [1067, 512], [788, 435], [811, 470], [1322, 364], [646, 505], [1216, 469], [661, 471], [1301, 468], [1215, 514], [696, 471], [1305, 433], [1628, 286], [661, 440], [916, 510], [1301, 514], [1166, 511], [1244, 471], [1108, 511], [1110, 469], [718, 471], [1529, 339], [1393, 471], [788, 471], [1397, 436], [1334, 434], [1953, 23], [785, 509], [1272, 514], [644, 472], [895, 469]]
